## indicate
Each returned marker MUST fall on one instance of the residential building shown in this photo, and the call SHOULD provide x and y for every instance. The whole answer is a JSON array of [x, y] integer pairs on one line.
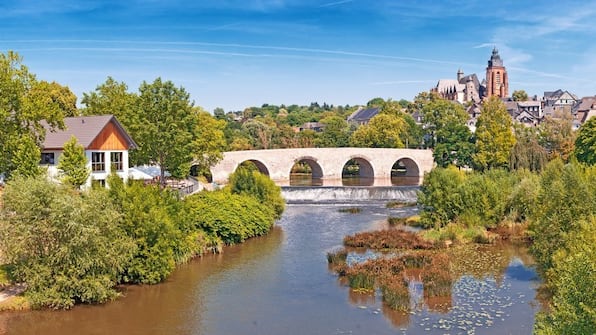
[[557, 102], [106, 145], [363, 115]]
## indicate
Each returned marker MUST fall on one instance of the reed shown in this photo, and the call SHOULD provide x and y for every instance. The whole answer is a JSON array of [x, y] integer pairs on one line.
[[394, 221], [396, 294], [388, 239], [400, 204], [337, 257]]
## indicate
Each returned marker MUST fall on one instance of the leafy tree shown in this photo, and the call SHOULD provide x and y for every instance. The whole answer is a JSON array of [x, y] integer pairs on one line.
[[494, 136], [376, 102], [557, 137], [26, 158], [66, 247], [527, 153], [519, 95], [62, 96], [209, 141], [412, 135], [421, 100], [73, 164], [24, 103], [446, 132], [585, 143], [167, 134], [261, 132], [336, 133], [383, 131], [439, 197], [112, 97]]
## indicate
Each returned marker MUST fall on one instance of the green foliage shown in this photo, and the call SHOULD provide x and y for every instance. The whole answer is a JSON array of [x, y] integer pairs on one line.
[[557, 137], [439, 197], [24, 103], [232, 218], [65, 246], [519, 95], [573, 279], [383, 131], [446, 131], [494, 136], [73, 164], [566, 197], [585, 143], [149, 219], [336, 133], [112, 97], [250, 182], [527, 153], [26, 158]]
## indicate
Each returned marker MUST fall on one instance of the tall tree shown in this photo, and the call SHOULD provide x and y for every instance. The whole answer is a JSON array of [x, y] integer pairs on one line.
[[209, 140], [556, 135], [166, 127], [585, 143], [24, 103], [446, 131], [527, 153], [112, 97], [494, 136], [73, 164], [383, 131], [26, 158], [335, 134]]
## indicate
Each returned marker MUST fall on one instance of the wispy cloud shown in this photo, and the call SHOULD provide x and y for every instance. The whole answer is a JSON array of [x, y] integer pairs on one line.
[[335, 3]]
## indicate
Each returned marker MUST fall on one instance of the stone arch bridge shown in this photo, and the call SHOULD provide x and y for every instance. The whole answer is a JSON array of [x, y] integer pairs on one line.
[[327, 164]]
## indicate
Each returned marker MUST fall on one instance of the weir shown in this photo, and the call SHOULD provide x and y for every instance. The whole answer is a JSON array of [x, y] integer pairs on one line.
[[347, 194]]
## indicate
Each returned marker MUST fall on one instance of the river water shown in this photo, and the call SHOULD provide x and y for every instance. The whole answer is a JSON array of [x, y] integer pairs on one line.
[[281, 284]]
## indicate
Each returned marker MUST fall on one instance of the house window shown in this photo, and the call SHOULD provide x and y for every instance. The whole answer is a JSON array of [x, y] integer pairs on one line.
[[47, 158], [97, 183], [116, 160], [98, 162]]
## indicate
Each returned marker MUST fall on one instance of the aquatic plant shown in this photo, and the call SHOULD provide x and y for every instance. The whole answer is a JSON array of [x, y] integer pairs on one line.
[[351, 210], [400, 204], [388, 239], [337, 257], [393, 221], [395, 293]]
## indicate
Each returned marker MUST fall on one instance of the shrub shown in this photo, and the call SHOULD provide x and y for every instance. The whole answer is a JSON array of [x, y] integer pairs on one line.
[[65, 246], [253, 183]]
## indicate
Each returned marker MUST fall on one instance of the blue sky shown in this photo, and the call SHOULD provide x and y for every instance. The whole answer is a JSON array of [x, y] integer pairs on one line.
[[239, 53]]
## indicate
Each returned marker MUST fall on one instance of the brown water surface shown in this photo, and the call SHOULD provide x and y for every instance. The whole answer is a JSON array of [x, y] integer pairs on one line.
[[281, 284]]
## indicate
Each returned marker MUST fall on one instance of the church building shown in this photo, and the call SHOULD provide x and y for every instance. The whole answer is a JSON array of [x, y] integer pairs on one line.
[[470, 89]]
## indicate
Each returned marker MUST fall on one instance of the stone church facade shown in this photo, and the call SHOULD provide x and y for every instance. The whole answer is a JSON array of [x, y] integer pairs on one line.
[[469, 89]]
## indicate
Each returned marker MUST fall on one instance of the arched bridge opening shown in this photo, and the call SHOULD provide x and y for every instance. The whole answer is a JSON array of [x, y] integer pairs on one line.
[[357, 172], [404, 172], [201, 173], [255, 164], [306, 172]]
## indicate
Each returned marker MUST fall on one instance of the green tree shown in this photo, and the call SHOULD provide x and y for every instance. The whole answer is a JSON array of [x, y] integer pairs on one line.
[[520, 95], [376, 102], [66, 247], [336, 133], [24, 103], [62, 96], [73, 164], [209, 141], [557, 137], [446, 131], [383, 131], [26, 158], [527, 153], [585, 143], [112, 97], [439, 198], [167, 133], [494, 136]]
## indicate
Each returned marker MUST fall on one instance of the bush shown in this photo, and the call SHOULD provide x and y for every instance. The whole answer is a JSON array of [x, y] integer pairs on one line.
[[65, 246], [231, 217], [253, 183]]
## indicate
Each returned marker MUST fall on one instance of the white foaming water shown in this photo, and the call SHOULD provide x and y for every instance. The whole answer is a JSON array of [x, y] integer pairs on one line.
[[341, 194]]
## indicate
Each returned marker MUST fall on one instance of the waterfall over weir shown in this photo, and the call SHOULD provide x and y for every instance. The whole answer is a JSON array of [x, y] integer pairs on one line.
[[348, 194]]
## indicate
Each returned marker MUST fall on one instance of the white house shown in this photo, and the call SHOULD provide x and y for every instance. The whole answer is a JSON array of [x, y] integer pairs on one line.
[[105, 141]]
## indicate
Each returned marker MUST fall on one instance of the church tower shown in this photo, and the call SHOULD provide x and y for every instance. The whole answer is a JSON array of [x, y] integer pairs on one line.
[[497, 83]]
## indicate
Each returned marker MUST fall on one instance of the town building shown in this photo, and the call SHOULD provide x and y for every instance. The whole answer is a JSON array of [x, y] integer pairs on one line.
[[363, 115], [105, 141]]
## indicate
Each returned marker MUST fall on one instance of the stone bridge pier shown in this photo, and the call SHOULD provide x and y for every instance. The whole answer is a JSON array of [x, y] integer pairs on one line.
[[327, 163]]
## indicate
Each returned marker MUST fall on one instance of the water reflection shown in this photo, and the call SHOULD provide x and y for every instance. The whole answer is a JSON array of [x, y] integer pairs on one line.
[[280, 284]]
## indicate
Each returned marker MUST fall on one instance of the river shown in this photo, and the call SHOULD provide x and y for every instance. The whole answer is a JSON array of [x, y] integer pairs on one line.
[[281, 284]]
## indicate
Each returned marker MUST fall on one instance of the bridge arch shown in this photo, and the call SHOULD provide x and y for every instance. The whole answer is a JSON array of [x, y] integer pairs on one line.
[[309, 175], [256, 163], [405, 171]]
